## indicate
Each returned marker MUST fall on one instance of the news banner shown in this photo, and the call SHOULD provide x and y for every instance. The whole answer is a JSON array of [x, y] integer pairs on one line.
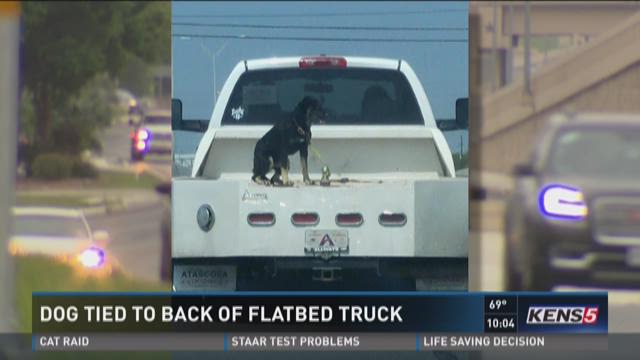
[[334, 321]]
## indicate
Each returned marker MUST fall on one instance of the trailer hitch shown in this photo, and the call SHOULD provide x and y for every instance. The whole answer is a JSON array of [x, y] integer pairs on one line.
[[326, 274]]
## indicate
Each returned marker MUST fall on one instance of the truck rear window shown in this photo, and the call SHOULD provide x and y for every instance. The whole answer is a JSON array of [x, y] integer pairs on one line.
[[350, 96]]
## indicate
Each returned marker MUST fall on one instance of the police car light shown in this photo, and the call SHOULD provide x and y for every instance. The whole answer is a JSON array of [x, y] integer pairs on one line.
[[562, 202], [143, 134], [141, 145], [92, 257]]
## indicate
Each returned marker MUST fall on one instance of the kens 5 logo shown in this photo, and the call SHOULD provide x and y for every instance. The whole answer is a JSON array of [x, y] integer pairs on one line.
[[578, 315]]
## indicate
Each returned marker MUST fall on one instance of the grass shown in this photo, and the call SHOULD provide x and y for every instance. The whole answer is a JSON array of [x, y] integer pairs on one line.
[[125, 180], [37, 273], [51, 200], [109, 180]]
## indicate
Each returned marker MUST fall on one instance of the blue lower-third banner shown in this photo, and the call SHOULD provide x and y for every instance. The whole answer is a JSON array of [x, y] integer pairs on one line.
[[269, 312]]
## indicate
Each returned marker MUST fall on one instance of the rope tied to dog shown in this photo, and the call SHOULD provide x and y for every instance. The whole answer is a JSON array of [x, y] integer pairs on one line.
[[317, 155]]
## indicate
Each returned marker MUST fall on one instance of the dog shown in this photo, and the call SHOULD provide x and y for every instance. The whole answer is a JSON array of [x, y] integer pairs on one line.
[[285, 138]]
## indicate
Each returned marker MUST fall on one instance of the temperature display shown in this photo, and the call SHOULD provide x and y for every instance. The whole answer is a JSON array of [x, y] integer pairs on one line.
[[500, 304]]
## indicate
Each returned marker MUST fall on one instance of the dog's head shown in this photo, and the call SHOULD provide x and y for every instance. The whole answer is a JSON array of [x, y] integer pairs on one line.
[[310, 111]]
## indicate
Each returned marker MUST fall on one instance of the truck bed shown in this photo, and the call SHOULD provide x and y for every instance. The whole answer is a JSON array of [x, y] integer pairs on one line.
[[349, 151], [343, 180]]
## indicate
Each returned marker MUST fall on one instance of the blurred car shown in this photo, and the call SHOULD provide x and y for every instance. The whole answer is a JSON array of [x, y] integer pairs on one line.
[[165, 231], [60, 233], [124, 100], [152, 136], [574, 216]]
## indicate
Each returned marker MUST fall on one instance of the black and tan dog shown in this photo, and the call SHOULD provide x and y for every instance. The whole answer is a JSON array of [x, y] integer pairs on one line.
[[285, 138]]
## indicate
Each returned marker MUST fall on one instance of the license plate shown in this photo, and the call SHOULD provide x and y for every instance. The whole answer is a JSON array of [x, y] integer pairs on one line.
[[326, 242], [633, 257], [204, 277]]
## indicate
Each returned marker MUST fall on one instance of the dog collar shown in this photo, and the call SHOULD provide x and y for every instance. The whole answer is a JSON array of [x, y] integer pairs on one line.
[[298, 127]]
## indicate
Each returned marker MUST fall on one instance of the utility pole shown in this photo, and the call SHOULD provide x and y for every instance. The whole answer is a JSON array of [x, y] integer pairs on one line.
[[527, 48], [509, 55], [9, 57], [475, 153], [213, 56], [494, 46]]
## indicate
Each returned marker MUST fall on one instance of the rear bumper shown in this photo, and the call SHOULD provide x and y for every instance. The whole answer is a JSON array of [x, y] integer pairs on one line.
[[353, 273]]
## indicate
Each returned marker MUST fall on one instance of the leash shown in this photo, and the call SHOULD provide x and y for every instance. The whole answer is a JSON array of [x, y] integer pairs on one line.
[[343, 180], [317, 155], [326, 173]]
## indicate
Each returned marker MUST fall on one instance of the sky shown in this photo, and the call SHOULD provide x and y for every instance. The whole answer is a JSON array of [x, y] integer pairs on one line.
[[442, 67]]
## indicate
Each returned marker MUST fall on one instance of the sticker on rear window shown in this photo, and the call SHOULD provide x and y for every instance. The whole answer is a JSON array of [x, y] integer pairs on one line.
[[237, 113]]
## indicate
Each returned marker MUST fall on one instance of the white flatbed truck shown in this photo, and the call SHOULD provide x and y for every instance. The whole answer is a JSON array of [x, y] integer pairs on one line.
[[393, 215]]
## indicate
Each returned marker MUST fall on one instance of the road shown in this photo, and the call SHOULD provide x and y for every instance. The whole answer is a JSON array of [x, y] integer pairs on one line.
[[116, 151], [624, 306], [135, 232], [135, 239]]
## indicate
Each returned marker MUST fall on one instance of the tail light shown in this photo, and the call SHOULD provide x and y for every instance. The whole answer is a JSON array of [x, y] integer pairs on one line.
[[322, 62], [392, 219], [305, 219], [349, 219], [261, 219]]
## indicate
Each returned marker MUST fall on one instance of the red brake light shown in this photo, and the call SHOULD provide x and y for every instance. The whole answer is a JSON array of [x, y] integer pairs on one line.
[[261, 219], [349, 219], [392, 219], [305, 219], [322, 62]]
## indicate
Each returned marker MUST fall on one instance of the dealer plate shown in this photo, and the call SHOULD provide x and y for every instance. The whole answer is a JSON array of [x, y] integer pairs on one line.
[[633, 257], [326, 242], [204, 277]]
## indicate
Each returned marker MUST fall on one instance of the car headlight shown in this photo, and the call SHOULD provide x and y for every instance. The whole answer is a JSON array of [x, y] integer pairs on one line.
[[562, 202], [15, 249], [92, 257]]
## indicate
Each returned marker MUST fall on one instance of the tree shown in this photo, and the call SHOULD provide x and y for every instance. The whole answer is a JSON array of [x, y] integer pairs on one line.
[[66, 44]]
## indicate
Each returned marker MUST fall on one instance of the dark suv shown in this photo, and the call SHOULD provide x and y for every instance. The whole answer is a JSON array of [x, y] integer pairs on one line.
[[574, 216]]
